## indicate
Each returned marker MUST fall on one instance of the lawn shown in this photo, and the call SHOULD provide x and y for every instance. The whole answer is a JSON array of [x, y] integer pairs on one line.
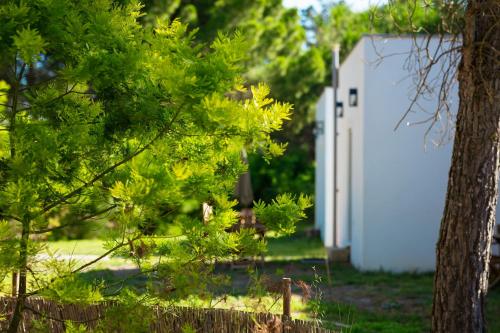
[[78, 247], [292, 248], [352, 301]]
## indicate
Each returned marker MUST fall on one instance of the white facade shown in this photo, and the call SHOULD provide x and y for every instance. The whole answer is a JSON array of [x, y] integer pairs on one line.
[[391, 184], [324, 170]]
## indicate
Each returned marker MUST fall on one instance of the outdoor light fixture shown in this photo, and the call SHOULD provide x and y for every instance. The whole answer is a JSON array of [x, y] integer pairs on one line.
[[340, 109], [353, 97], [319, 128]]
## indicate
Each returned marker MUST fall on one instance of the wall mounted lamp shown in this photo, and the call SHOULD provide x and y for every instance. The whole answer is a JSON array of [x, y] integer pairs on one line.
[[340, 109], [353, 97]]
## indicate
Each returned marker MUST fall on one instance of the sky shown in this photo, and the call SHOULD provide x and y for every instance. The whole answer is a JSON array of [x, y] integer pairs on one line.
[[356, 5]]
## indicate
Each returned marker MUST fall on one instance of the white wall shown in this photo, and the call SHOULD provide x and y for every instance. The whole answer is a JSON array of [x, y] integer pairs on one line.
[[324, 168], [405, 177], [350, 228]]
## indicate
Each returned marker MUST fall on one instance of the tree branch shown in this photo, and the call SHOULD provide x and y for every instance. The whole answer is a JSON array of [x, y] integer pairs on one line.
[[38, 83], [52, 100], [6, 216], [123, 243], [82, 219], [109, 169]]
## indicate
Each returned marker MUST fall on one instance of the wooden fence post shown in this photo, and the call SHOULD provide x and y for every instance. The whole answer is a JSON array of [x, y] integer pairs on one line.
[[287, 298]]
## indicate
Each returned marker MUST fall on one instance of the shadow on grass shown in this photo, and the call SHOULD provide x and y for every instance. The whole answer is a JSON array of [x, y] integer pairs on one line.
[[357, 301]]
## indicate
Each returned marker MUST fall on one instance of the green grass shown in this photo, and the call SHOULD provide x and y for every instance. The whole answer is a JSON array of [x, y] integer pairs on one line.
[[360, 321], [493, 310], [244, 303], [294, 248], [279, 249], [86, 247], [367, 302], [79, 247]]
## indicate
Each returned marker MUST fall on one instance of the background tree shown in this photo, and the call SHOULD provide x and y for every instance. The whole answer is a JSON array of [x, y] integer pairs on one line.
[[277, 56], [339, 24], [126, 125]]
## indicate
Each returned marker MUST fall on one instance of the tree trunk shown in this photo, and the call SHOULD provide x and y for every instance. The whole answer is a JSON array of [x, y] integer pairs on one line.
[[464, 246], [14, 284], [17, 316]]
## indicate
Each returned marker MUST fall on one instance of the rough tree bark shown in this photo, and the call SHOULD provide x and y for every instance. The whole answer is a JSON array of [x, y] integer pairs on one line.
[[463, 250]]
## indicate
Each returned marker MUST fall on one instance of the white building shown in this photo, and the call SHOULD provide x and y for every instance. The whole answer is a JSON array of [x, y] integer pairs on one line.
[[391, 184]]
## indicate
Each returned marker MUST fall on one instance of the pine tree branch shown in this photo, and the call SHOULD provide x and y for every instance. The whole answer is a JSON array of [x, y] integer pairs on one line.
[[80, 220], [52, 100], [109, 169], [90, 263], [31, 86], [82, 267], [7, 216]]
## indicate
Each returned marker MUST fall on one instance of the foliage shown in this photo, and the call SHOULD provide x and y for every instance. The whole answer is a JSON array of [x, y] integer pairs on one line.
[[4, 88], [72, 289], [110, 121], [132, 313], [283, 213], [277, 55], [289, 173], [75, 328], [343, 26], [272, 31], [188, 329]]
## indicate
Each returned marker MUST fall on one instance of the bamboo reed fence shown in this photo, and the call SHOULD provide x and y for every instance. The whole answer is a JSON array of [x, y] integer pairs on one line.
[[171, 320]]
